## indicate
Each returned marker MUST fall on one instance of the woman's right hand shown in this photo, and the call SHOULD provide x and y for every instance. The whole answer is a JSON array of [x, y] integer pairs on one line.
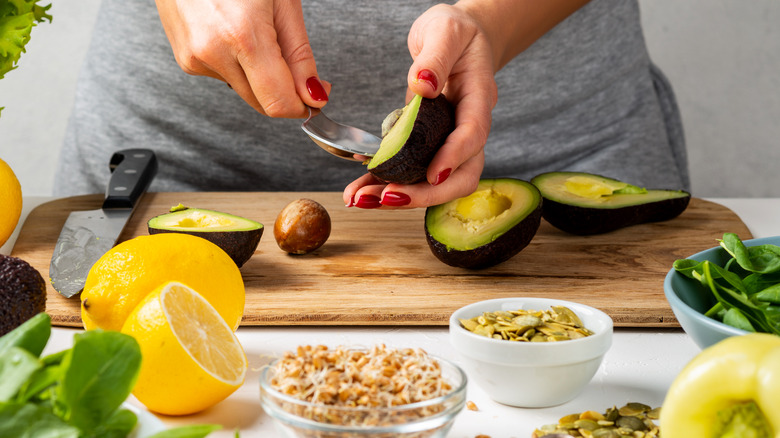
[[258, 47]]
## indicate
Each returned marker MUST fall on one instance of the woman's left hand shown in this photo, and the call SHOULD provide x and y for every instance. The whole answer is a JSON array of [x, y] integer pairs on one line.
[[452, 55]]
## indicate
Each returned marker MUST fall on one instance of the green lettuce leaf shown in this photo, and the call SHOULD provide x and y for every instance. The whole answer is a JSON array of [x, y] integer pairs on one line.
[[17, 18]]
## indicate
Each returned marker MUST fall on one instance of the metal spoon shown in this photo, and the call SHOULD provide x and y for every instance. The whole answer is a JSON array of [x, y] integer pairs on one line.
[[340, 140]]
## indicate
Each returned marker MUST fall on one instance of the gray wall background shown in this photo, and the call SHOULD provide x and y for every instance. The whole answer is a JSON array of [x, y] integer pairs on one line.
[[722, 57]]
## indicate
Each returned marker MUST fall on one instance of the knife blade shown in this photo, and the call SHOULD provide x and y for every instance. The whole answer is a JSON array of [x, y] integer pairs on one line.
[[87, 235]]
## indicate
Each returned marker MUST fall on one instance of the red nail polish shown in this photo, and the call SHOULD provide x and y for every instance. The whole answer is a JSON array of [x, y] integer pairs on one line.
[[368, 201], [316, 90], [428, 76], [396, 199], [442, 176], [351, 201]]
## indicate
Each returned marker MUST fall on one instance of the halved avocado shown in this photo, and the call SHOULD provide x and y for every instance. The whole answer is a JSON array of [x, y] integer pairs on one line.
[[237, 236], [487, 227], [584, 203], [413, 139]]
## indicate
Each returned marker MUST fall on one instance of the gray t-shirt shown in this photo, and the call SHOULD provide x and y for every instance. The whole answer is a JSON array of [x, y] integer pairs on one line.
[[584, 97]]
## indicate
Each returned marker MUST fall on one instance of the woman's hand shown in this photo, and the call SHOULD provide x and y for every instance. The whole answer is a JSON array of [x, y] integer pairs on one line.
[[258, 47], [451, 55]]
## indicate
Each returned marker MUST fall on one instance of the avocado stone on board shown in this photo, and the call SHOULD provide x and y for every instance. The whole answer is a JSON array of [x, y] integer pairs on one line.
[[411, 142], [237, 236], [487, 227], [585, 204], [22, 293]]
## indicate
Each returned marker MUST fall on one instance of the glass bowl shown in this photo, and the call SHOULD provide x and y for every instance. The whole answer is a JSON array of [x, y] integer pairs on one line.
[[432, 418]]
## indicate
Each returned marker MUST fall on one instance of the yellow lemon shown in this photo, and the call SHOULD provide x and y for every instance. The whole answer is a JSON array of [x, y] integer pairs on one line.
[[124, 275], [10, 201], [191, 359]]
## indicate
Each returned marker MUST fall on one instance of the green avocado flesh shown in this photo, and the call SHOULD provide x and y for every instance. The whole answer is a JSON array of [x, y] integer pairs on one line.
[[584, 203], [236, 235], [398, 133], [412, 141], [487, 227]]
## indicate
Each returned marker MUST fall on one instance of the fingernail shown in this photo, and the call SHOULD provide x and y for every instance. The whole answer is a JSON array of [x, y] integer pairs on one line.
[[351, 201], [396, 199], [442, 176], [429, 77], [316, 90], [368, 201]]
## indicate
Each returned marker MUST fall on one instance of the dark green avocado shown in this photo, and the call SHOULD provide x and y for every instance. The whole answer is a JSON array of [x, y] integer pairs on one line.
[[585, 204], [22, 293], [236, 235], [487, 227], [411, 141]]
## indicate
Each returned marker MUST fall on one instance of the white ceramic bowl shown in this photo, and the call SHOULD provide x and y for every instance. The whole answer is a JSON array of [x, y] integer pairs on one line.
[[526, 374]]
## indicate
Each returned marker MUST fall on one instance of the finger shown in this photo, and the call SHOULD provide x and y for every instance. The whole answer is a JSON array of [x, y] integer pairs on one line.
[[260, 57], [349, 196], [297, 52], [364, 192], [473, 118], [436, 44], [462, 183]]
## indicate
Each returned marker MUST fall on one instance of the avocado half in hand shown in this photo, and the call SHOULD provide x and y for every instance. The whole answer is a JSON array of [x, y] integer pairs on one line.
[[410, 138], [584, 203], [487, 227], [237, 236]]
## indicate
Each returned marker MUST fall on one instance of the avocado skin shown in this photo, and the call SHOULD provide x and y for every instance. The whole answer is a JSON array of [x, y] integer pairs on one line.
[[586, 221], [239, 245], [22, 293], [498, 251], [435, 121]]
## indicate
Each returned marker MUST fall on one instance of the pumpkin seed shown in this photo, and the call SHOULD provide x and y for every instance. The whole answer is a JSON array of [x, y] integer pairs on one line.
[[634, 420], [557, 324]]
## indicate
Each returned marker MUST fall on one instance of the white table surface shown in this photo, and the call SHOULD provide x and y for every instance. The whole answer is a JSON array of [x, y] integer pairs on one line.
[[640, 366]]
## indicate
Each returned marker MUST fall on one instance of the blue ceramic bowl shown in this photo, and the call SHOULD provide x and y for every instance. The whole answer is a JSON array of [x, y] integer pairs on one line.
[[689, 303]]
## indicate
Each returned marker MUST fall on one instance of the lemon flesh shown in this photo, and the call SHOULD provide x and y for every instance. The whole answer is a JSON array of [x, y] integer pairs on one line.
[[192, 360]]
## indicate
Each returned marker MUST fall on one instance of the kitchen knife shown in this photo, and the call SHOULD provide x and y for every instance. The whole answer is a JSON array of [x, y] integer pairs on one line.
[[87, 235]]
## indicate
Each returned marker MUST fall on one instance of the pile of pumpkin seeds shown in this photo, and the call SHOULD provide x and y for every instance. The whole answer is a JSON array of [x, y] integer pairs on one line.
[[557, 324], [634, 420]]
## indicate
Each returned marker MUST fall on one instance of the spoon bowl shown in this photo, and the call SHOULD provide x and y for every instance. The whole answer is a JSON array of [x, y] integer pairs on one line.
[[340, 140]]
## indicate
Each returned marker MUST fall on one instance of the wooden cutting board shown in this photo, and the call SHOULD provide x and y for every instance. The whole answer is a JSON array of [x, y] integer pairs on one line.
[[377, 269]]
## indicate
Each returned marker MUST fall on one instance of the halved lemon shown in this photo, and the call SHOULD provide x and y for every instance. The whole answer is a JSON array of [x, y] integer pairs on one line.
[[192, 360]]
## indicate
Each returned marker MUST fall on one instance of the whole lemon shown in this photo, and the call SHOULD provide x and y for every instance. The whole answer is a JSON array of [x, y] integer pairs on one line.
[[10, 201], [127, 273], [191, 359]]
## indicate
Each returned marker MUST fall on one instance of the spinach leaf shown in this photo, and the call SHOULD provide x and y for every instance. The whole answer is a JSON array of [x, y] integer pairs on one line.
[[43, 379], [16, 366], [746, 288], [118, 425], [769, 295], [32, 335], [195, 431], [735, 318], [29, 420], [763, 259], [99, 374]]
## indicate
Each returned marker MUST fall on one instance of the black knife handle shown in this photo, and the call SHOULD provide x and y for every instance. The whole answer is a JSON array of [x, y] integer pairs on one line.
[[132, 170]]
